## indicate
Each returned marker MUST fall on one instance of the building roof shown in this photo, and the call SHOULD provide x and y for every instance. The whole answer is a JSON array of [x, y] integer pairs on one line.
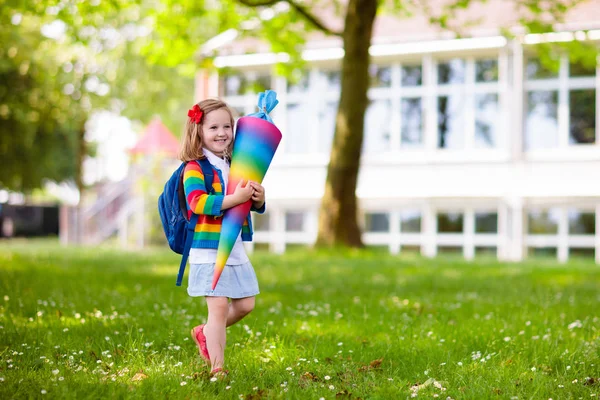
[[156, 139], [478, 20]]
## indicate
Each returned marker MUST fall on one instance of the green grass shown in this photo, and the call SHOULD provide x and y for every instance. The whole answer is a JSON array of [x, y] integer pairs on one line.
[[82, 323]]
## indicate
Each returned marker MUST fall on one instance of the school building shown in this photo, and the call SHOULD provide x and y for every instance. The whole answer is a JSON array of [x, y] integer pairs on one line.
[[471, 145]]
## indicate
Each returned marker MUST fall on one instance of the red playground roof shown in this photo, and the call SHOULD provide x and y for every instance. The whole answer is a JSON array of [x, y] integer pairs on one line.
[[157, 139]]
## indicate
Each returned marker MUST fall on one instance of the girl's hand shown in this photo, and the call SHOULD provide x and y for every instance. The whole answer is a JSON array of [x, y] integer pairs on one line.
[[243, 193], [258, 195]]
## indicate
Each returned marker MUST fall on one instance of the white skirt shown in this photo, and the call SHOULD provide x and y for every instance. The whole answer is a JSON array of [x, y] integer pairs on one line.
[[236, 281]]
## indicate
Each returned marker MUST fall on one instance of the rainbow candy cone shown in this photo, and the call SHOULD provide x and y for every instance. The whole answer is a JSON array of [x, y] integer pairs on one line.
[[255, 144]]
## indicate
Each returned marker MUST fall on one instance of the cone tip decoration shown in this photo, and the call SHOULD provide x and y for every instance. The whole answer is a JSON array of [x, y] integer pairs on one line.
[[256, 141]]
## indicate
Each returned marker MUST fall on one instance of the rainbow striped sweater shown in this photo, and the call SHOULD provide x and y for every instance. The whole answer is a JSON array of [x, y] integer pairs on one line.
[[208, 207]]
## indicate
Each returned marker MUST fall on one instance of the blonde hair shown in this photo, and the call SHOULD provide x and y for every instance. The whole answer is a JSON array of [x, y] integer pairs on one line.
[[191, 147]]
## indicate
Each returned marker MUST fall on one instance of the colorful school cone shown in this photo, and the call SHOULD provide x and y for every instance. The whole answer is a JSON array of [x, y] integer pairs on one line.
[[255, 143]]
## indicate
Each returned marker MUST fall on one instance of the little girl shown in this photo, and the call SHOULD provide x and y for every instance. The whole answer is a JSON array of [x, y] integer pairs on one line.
[[209, 134]]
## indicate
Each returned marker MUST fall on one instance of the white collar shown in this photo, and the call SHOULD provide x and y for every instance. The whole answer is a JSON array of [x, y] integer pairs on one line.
[[214, 159]]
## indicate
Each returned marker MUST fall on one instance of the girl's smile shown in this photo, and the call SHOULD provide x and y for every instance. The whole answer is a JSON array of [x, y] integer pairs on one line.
[[217, 131]]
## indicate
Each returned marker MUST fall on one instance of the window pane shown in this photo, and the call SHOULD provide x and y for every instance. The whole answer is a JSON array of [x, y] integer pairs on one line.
[[486, 70], [543, 252], [380, 76], [299, 82], [260, 222], [377, 126], [412, 122], [377, 222], [294, 221], [486, 120], [580, 69], [582, 223], [582, 253], [486, 222], [330, 80], [543, 222], [298, 126], [451, 122], [452, 71], [582, 110], [450, 250], [541, 130], [410, 221], [450, 223], [233, 85], [535, 69], [486, 251], [327, 126], [412, 75]]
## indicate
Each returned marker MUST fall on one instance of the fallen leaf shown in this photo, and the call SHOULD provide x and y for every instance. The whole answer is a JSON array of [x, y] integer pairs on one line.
[[140, 376], [309, 376], [344, 394]]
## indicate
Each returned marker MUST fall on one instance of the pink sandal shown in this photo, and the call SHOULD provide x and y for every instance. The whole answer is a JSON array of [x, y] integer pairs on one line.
[[200, 339]]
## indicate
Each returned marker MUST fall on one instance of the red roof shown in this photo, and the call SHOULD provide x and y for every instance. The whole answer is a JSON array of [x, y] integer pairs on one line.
[[157, 139]]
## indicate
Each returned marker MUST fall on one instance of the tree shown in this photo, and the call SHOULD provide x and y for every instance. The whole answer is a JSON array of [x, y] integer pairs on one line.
[[40, 120], [62, 61]]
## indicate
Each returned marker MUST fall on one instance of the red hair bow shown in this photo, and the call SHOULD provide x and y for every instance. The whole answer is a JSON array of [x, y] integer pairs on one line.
[[195, 113]]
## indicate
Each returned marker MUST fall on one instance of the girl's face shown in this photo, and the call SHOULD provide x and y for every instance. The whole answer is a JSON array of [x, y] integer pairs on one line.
[[217, 132]]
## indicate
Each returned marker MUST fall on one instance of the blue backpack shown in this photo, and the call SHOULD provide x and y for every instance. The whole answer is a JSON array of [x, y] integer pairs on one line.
[[173, 212]]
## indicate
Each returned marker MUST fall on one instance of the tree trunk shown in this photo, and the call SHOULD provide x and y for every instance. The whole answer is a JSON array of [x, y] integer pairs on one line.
[[338, 223]]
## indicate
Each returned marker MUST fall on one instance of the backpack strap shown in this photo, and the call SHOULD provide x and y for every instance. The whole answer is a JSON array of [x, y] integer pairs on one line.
[[186, 249], [209, 176]]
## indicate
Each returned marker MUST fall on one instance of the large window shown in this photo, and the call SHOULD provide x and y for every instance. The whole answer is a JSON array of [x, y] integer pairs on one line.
[[553, 86], [377, 222], [541, 127], [467, 103], [451, 121], [582, 222], [411, 110], [450, 222], [582, 116], [261, 222], [486, 222], [294, 221], [543, 222], [380, 76], [297, 138], [377, 126], [486, 120], [410, 221], [411, 106]]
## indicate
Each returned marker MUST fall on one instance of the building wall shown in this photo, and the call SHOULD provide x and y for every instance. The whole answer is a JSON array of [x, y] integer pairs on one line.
[[469, 146]]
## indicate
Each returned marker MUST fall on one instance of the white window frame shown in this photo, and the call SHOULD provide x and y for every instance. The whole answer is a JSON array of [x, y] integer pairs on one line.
[[563, 84]]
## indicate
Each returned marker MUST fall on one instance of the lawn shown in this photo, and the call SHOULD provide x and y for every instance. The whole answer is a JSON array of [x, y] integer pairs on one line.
[[103, 323]]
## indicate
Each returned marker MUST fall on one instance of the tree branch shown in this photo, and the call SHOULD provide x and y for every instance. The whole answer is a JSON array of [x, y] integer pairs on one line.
[[311, 18]]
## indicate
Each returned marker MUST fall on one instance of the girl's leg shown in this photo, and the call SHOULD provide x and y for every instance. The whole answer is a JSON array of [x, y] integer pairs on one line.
[[214, 330], [238, 309]]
